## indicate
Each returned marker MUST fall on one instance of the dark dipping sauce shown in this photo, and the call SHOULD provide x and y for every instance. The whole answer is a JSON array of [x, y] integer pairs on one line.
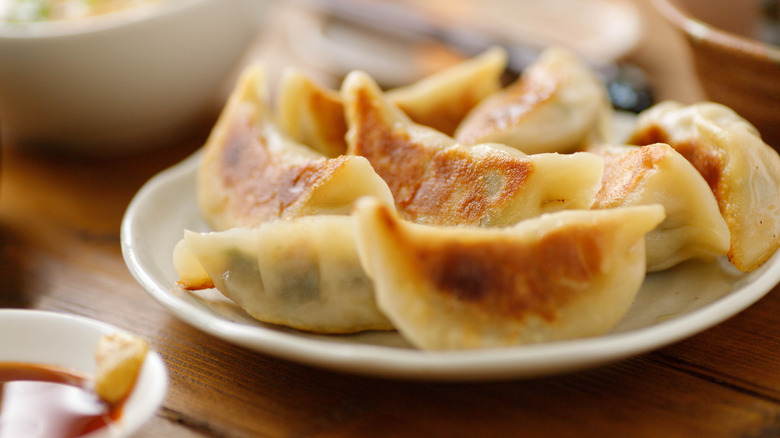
[[49, 402]]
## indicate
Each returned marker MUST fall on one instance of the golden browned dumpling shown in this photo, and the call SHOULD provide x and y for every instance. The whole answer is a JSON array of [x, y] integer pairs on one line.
[[742, 171], [562, 275], [314, 114], [252, 172], [443, 99], [437, 181], [119, 357], [557, 105], [657, 174]]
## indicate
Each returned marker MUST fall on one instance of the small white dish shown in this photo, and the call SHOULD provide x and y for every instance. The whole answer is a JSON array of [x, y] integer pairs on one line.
[[671, 306], [49, 338]]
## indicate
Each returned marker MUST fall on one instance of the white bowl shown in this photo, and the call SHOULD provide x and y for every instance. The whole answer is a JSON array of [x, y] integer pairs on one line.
[[48, 338], [122, 81]]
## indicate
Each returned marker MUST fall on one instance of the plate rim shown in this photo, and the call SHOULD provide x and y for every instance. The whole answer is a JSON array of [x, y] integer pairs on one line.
[[524, 361]]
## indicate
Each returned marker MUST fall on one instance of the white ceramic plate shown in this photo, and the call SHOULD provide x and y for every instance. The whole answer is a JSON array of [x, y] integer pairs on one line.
[[671, 305], [34, 336]]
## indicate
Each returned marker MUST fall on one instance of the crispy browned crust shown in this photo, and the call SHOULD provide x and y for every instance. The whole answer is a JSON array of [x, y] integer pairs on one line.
[[258, 184], [429, 184], [511, 281], [622, 174], [330, 121], [709, 161], [187, 285], [510, 108]]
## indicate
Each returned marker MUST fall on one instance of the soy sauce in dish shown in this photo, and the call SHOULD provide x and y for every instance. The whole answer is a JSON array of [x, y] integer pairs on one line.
[[49, 401]]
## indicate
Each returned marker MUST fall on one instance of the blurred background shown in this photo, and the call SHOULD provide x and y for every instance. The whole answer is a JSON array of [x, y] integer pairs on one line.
[[47, 80], [399, 41]]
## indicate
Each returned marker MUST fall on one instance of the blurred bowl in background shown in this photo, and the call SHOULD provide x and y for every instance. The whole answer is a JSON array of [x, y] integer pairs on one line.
[[735, 61], [121, 82]]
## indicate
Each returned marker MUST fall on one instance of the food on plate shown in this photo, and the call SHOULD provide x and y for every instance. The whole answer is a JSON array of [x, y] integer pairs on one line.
[[314, 115], [657, 174], [303, 273], [354, 210], [443, 99], [251, 171], [42, 10], [742, 171], [437, 181], [557, 105], [559, 276], [311, 114], [119, 357]]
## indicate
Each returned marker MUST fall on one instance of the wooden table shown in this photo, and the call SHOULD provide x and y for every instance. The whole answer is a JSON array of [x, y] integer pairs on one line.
[[60, 251]]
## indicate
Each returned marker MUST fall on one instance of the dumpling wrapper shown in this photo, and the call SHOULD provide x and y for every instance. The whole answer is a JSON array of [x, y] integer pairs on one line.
[[443, 99], [742, 171], [562, 275], [252, 172], [434, 180], [302, 273], [314, 114], [557, 105], [657, 174]]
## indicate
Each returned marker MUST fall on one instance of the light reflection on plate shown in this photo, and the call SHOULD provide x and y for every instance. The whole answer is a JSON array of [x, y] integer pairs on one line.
[[69, 341], [671, 306]]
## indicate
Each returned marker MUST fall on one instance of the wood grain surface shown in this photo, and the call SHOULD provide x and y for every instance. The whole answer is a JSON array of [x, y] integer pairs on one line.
[[60, 251]]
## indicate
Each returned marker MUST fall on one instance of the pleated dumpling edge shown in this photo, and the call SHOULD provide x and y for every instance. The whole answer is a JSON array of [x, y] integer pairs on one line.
[[562, 275]]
